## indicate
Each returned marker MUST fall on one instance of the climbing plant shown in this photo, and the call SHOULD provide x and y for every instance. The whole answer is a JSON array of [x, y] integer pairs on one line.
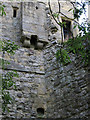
[[7, 83], [6, 47], [2, 11]]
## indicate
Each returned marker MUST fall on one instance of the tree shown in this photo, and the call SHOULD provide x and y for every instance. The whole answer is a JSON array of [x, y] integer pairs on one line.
[[78, 45]]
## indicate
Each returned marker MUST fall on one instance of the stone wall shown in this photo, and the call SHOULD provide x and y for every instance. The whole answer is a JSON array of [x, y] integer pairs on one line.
[[61, 91], [33, 23], [10, 26], [31, 92], [33, 20], [67, 86]]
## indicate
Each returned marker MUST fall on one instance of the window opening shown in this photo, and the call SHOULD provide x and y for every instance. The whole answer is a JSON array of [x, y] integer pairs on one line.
[[40, 111], [36, 7], [67, 30], [15, 12]]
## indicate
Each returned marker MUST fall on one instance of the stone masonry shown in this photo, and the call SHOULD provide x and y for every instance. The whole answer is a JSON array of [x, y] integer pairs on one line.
[[45, 88]]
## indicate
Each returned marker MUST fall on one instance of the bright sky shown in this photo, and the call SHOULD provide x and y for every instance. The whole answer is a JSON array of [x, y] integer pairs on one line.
[[83, 15]]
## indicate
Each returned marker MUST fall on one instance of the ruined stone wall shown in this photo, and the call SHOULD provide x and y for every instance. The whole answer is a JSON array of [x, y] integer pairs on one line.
[[67, 86], [10, 26], [34, 20], [31, 92], [65, 6], [60, 90]]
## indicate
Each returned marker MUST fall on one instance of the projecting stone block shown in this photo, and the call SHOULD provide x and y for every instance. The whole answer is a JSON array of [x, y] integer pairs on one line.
[[39, 45], [26, 43]]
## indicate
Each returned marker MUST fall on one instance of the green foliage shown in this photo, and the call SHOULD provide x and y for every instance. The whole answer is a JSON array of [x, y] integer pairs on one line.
[[7, 83], [3, 63], [7, 78], [78, 46], [79, 8], [8, 46], [62, 24], [2, 11], [6, 100], [63, 57], [56, 15]]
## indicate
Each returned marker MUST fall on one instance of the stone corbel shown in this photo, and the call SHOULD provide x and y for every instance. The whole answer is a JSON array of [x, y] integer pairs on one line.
[[26, 43], [40, 45]]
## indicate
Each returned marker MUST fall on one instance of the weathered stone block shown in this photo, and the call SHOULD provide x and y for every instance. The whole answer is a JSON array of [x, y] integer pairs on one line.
[[40, 45], [26, 43]]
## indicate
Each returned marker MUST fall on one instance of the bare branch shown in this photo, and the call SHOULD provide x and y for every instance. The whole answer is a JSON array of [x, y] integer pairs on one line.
[[59, 6], [52, 14], [58, 21], [61, 14]]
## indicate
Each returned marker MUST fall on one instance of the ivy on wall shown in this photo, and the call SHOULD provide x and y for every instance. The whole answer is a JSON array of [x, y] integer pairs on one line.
[[7, 47], [7, 83], [2, 11]]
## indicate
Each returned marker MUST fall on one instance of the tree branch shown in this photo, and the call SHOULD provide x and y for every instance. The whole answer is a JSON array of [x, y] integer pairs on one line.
[[52, 14], [58, 22], [59, 6], [59, 12]]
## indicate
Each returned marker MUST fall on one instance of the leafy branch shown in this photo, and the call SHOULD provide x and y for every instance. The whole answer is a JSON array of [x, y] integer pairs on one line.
[[8, 47], [2, 10], [78, 45]]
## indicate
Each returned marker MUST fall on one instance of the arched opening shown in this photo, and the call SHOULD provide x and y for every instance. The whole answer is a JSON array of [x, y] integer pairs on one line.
[[40, 112]]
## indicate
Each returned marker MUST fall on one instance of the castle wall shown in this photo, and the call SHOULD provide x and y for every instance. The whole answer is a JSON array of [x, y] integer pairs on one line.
[[67, 86], [60, 90], [31, 92], [34, 20], [65, 6], [11, 27]]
